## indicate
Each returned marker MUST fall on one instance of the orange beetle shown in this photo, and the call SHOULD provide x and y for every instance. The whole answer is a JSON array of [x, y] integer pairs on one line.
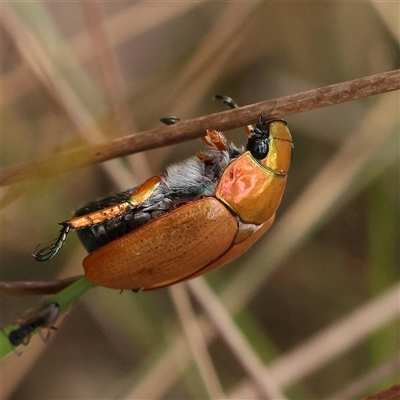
[[202, 213]]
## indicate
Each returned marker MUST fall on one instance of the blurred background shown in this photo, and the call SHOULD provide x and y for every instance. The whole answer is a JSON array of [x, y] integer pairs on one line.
[[313, 307]]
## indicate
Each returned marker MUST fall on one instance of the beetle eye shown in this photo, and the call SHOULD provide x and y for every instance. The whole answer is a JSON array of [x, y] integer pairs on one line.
[[258, 147]]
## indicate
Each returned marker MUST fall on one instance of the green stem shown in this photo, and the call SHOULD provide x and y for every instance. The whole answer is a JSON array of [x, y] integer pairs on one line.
[[65, 298]]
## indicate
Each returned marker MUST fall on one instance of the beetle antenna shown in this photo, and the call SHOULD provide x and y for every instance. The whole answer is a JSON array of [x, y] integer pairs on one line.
[[47, 253]]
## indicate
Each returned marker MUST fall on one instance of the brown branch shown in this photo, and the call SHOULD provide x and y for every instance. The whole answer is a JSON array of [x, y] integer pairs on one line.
[[36, 288], [190, 129], [392, 393]]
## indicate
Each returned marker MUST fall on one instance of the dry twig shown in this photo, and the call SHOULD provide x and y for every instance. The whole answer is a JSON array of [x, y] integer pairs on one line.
[[392, 393], [190, 129], [36, 288]]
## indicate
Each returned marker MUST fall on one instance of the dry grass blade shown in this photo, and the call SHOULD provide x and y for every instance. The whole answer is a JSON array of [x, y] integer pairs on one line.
[[161, 372], [52, 79], [373, 377], [131, 22], [263, 380], [207, 65], [196, 341], [346, 333], [114, 85]]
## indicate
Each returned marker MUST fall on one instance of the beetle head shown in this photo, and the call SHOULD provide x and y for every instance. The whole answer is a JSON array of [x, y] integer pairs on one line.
[[271, 145]]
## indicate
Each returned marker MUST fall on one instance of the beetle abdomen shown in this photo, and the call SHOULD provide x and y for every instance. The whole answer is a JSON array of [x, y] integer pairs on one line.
[[161, 252]]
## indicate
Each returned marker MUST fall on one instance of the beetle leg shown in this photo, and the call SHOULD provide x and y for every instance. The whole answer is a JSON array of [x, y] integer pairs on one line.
[[46, 337], [170, 120], [249, 130], [216, 139], [99, 216], [49, 252], [229, 102], [144, 191], [135, 199], [204, 157]]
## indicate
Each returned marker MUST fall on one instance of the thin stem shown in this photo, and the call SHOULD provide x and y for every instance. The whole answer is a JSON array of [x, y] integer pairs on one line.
[[36, 288], [191, 129], [65, 298]]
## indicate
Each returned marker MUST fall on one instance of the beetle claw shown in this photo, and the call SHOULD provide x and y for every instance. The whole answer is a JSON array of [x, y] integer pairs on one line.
[[228, 101], [170, 120], [48, 252]]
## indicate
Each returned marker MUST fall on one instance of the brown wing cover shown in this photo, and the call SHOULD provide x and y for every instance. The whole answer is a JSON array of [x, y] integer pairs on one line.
[[166, 250]]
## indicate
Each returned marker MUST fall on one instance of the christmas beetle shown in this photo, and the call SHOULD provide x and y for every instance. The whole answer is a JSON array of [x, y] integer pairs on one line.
[[202, 213], [44, 317]]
